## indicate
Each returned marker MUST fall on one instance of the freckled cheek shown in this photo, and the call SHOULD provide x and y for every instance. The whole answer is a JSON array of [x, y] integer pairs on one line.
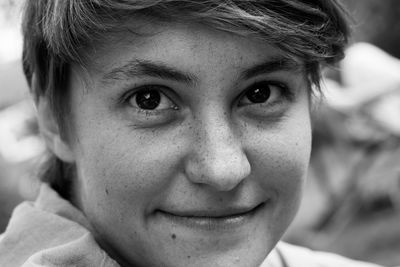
[[132, 171], [290, 179], [285, 177], [282, 165], [281, 173]]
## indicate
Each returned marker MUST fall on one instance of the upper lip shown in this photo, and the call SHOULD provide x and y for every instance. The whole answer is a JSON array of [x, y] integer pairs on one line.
[[212, 213]]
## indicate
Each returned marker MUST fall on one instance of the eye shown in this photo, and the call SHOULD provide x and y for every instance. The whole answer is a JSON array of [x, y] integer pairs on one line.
[[151, 98], [263, 92]]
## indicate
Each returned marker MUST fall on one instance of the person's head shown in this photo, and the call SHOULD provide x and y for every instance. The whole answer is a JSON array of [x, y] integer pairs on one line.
[[180, 128]]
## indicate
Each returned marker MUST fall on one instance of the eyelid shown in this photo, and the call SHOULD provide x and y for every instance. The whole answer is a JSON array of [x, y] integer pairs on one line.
[[164, 90], [284, 90], [125, 99], [125, 96]]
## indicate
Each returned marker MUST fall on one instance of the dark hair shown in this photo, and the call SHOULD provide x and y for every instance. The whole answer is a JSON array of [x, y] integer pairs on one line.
[[56, 33]]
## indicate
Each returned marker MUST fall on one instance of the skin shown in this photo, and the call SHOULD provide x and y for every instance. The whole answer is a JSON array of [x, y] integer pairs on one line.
[[153, 183]]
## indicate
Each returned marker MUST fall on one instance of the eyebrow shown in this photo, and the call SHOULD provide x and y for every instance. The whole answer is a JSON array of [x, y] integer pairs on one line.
[[147, 68], [142, 68], [274, 64]]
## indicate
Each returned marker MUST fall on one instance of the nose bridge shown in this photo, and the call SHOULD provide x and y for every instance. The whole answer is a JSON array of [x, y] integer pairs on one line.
[[217, 138], [218, 157]]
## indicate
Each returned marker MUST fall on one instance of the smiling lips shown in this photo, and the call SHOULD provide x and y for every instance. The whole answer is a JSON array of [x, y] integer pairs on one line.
[[211, 220]]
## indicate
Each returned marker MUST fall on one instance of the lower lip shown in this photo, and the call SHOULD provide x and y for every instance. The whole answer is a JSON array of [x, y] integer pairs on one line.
[[211, 223]]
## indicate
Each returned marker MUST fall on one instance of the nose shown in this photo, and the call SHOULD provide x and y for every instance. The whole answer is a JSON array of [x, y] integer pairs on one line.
[[217, 156]]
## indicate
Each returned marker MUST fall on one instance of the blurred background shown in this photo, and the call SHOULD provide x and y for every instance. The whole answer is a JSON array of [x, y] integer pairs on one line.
[[351, 201]]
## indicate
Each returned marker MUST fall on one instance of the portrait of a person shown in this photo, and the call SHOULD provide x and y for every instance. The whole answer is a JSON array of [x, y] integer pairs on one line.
[[178, 131]]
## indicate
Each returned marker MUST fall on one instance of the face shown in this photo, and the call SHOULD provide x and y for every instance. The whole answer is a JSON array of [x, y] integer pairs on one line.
[[190, 145]]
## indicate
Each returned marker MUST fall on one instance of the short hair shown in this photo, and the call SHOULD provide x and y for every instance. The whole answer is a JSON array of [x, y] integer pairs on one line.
[[56, 33]]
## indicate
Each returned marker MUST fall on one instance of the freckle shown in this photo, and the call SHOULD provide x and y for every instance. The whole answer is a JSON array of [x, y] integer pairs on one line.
[[188, 257], [173, 236], [106, 191]]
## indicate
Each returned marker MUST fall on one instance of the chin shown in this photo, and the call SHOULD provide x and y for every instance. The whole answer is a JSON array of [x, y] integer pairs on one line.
[[217, 250], [244, 257]]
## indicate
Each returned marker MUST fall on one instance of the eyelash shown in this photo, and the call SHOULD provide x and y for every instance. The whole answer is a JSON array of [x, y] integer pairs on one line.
[[284, 91], [127, 96]]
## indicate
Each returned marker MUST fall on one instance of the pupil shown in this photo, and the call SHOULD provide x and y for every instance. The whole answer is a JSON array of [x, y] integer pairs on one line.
[[148, 99], [258, 94]]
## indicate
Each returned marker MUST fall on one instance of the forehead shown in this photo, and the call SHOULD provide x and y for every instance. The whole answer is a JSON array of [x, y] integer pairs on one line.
[[179, 43]]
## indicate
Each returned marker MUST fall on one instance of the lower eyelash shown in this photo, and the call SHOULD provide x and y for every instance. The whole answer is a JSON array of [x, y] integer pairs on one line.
[[149, 112]]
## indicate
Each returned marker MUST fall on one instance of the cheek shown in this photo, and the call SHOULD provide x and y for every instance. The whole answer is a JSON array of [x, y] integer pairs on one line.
[[124, 167], [282, 170], [281, 158]]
